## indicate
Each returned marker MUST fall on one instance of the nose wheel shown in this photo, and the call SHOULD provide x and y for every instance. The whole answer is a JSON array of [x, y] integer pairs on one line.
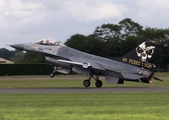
[[52, 75]]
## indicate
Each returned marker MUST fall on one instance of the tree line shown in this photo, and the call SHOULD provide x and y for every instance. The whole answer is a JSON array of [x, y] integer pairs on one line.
[[115, 40], [110, 40]]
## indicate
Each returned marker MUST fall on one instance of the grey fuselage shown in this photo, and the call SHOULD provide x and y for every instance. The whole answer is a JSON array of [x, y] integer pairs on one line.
[[103, 66]]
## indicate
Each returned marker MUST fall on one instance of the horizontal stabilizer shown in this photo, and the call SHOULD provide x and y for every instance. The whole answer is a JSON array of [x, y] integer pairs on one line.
[[131, 76]]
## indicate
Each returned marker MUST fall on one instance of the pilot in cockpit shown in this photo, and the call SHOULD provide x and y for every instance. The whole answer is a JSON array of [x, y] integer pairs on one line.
[[49, 42]]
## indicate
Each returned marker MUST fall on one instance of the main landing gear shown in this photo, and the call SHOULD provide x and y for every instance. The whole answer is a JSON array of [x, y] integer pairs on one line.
[[98, 82], [86, 83]]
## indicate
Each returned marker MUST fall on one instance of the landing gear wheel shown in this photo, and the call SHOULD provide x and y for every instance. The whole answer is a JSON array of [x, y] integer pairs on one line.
[[86, 83], [52, 75], [98, 83]]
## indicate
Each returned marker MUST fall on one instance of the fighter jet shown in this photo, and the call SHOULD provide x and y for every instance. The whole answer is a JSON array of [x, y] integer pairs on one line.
[[133, 66]]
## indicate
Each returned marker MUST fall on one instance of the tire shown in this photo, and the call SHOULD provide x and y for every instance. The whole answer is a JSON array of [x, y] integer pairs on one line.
[[52, 75], [98, 83], [86, 83]]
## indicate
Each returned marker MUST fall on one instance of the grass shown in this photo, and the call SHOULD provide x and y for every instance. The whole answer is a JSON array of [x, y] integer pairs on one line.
[[69, 81], [84, 106], [70, 84], [81, 106]]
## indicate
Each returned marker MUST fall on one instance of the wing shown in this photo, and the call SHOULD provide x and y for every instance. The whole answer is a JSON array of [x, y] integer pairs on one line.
[[81, 67], [85, 65]]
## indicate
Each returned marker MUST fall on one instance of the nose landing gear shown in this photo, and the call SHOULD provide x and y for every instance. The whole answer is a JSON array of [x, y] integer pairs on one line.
[[52, 75]]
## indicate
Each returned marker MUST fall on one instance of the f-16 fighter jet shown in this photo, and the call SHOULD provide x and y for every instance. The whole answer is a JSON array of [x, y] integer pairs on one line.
[[133, 66]]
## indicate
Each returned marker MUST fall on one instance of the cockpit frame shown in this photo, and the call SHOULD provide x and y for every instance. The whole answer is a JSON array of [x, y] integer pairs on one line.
[[50, 42]]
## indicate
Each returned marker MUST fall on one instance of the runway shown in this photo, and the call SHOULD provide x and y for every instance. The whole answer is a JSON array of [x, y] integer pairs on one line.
[[82, 90]]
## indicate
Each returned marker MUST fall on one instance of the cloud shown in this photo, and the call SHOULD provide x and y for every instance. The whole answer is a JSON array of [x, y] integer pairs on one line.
[[153, 5], [41, 16], [29, 20], [16, 14], [102, 9], [153, 13]]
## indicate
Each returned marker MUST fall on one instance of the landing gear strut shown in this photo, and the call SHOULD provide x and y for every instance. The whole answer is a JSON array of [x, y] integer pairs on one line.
[[54, 71], [98, 82]]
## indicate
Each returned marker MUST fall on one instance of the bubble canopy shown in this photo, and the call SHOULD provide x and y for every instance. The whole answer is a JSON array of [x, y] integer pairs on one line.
[[49, 42]]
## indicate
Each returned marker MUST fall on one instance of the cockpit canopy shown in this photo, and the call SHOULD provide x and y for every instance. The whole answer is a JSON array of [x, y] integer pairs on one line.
[[49, 42]]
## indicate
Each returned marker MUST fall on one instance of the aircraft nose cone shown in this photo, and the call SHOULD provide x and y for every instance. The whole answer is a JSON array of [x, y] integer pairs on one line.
[[18, 46]]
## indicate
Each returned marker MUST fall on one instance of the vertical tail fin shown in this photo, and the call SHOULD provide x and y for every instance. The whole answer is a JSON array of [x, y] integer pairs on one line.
[[140, 55]]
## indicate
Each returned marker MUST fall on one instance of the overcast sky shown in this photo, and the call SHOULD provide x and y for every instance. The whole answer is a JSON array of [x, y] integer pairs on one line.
[[23, 21]]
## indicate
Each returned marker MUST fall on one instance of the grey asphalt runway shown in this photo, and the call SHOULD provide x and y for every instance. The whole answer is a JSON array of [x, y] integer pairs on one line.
[[82, 90]]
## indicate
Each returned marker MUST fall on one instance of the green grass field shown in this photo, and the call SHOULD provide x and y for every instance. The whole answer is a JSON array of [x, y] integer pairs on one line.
[[81, 106], [84, 106], [68, 81]]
